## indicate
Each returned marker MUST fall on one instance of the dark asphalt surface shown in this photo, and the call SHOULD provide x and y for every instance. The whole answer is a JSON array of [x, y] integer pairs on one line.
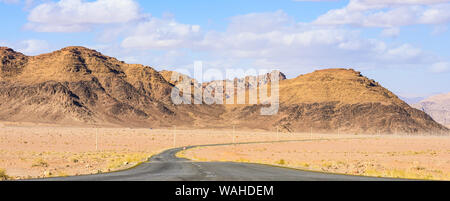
[[167, 167]]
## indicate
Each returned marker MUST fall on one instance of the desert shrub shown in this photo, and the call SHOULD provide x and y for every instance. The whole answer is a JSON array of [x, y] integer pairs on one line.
[[39, 163], [305, 164], [124, 160], [399, 173], [62, 174], [3, 175]]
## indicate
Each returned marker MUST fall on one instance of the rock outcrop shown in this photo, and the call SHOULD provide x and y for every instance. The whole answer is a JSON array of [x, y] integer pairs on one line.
[[80, 86]]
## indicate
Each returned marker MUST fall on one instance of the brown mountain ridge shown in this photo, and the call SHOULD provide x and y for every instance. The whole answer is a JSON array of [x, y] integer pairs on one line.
[[80, 86], [343, 100], [76, 85]]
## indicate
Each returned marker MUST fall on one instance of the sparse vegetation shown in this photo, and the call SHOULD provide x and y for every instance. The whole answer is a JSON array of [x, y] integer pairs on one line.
[[407, 157], [306, 165], [39, 163], [3, 175], [181, 154], [74, 160], [62, 174], [47, 152], [241, 160], [127, 160], [400, 173]]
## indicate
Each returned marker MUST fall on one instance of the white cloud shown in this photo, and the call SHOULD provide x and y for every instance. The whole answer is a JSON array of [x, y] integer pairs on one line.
[[373, 3], [9, 1], [27, 3], [383, 13], [439, 29], [32, 47], [298, 45], [273, 40], [3, 44], [436, 15], [265, 40], [403, 52], [440, 67], [161, 33], [80, 15], [259, 22], [314, 0], [391, 32]]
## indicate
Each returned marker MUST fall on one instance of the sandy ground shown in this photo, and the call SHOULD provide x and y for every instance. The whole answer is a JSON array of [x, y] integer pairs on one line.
[[36, 151], [383, 156]]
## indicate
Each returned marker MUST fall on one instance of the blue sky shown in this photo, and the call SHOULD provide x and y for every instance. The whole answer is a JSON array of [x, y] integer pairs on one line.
[[402, 44]]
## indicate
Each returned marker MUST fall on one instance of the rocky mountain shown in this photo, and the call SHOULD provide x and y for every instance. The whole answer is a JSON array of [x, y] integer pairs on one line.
[[236, 85], [438, 107], [80, 86], [339, 100], [76, 85]]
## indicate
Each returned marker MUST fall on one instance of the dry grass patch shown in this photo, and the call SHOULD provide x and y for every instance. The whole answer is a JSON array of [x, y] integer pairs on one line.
[[3, 175], [127, 160], [424, 158], [39, 163]]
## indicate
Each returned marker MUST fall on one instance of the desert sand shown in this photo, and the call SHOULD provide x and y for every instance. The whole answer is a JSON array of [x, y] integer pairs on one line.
[[409, 157], [29, 150]]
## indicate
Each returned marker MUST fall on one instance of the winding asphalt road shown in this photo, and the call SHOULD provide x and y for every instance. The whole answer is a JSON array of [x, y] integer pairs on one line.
[[167, 167]]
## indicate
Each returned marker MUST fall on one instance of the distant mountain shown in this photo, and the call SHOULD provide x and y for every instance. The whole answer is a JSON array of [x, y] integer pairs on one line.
[[411, 100], [438, 107], [80, 86]]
